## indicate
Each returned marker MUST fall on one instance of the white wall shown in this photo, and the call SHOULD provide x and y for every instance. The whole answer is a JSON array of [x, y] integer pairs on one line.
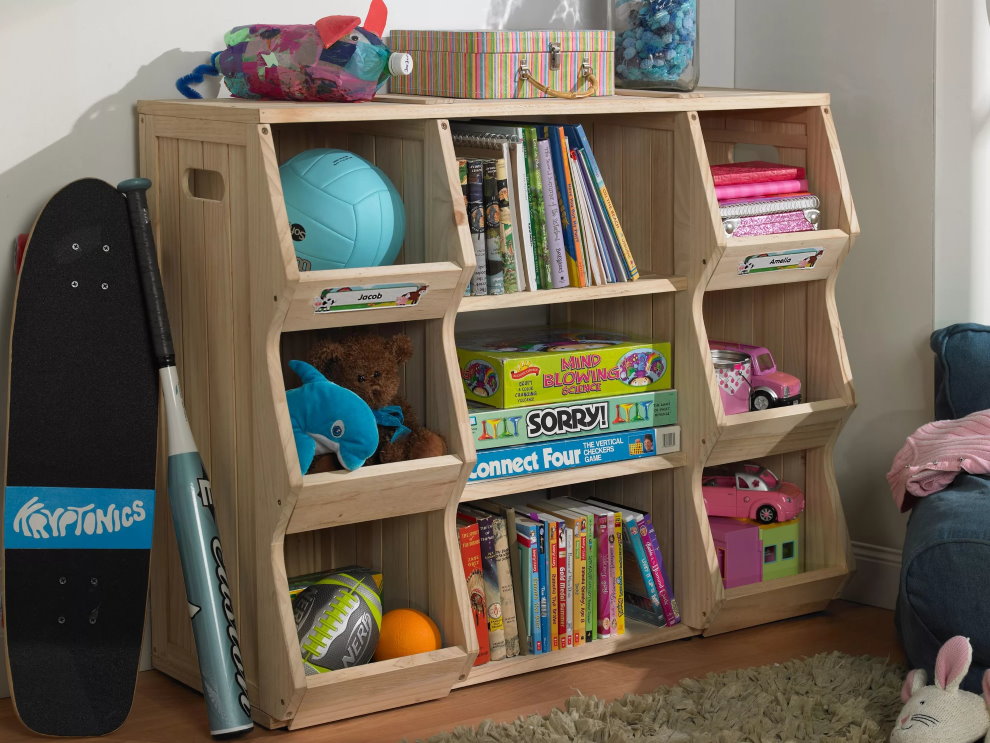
[[962, 165], [86, 62], [877, 61]]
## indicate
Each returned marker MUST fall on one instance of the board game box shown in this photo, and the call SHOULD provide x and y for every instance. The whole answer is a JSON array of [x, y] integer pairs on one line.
[[529, 366], [530, 459], [500, 427]]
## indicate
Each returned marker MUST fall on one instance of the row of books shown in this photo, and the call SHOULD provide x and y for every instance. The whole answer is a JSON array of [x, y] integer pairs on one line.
[[538, 209], [762, 198], [560, 573]]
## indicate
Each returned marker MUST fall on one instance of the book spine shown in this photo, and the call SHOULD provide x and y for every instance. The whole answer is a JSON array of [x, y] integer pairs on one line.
[[591, 581], [462, 174], [519, 204], [493, 240], [634, 540], [667, 601], [524, 553], [554, 223], [470, 542], [620, 583], [515, 567], [510, 271], [568, 623], [496, 627], [543, 568], [606, 201], [614, 268], [580, 271], [580, 581], [529, 558], [603, 630], [476, 221], [770, 188], [596, 270], [537, 210], [506, 594], [553, 579]]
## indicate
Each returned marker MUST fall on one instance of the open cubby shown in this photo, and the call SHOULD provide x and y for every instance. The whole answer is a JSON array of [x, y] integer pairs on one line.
[[241, 309]]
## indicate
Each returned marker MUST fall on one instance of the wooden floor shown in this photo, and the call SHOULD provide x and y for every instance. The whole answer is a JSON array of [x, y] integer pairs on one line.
[[166, 712]]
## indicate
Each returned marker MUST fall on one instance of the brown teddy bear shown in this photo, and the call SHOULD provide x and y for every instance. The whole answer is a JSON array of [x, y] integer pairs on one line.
[[368, 364]]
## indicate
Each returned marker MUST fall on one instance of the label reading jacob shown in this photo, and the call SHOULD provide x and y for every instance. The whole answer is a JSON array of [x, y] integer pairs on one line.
[[800, 258], [77, 518], [343, 298]]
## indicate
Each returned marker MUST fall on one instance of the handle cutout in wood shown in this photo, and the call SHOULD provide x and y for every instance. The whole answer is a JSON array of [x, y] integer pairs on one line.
[[205, 184]]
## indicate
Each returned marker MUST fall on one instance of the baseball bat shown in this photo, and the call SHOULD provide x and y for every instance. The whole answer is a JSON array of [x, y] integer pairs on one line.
[[191, 497]]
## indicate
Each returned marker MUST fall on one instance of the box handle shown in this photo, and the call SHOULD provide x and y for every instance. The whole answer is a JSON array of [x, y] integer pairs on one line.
[[585, 75]]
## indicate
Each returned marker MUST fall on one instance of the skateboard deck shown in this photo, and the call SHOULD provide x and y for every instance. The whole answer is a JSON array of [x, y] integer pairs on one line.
[[79, 493]]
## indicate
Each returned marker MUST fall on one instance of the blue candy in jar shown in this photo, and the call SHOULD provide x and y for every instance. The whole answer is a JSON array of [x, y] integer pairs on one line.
[[656, 43]]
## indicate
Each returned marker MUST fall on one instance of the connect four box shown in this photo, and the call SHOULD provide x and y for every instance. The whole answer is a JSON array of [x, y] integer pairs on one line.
[[530, 459], [530, 366]]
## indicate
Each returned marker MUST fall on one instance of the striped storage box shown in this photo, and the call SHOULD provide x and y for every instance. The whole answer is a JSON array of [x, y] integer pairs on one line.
[[506, 64]]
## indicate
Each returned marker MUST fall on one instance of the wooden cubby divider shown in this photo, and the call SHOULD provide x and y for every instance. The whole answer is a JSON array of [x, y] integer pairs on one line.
[[241, 310]]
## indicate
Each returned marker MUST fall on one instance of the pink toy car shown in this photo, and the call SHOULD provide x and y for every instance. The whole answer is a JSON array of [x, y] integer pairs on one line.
[[769, 388], [750, 491]]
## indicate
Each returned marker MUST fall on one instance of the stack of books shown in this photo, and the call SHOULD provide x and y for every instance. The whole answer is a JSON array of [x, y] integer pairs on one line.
[[559, 573], [538, 209], [761, 198]]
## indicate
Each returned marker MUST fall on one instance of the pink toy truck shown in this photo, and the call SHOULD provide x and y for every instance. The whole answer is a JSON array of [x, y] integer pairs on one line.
[[768, 387], [750, 491]]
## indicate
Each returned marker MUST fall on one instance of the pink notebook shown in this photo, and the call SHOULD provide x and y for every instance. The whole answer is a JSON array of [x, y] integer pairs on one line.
[[754, 171], [764, 188]]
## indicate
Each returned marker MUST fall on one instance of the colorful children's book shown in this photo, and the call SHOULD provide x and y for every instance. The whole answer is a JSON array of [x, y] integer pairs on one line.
[[582, 143], [536, 529], [565, 197], [614, 267], [507, 238], [507, 557], [556, 574], [754, 171], [577, 525], [493, 594], [556, 249], [469, 539], [476, 222], [493, 239], [537, 209], [528, 539]]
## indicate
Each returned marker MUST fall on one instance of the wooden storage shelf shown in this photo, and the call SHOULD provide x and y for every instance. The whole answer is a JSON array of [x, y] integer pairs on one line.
[[442, 278], [834, 244], [375, 492], [760, 603], [645, 285], [638, 635], [746, 436], [241, 310], [526, 483]]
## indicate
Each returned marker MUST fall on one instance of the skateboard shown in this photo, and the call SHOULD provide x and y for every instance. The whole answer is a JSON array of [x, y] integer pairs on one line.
[[79, 494]]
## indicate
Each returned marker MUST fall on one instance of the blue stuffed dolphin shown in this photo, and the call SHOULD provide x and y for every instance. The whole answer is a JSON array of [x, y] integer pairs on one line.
[[329, 418]]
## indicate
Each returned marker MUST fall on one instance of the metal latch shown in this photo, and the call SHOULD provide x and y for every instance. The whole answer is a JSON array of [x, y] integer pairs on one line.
[[554, 55]]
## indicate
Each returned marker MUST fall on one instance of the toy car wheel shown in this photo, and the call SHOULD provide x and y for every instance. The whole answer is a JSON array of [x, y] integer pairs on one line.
[[761, 401], [766, 514]]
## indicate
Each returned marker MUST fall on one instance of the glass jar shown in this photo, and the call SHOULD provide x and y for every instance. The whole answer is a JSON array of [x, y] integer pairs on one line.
[[656, 43]]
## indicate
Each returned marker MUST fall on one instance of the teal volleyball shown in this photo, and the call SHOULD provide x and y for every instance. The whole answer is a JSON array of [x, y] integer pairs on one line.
[[343, 211]]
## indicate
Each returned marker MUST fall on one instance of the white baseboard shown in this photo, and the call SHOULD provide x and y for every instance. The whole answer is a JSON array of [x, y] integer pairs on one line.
[[878, 572]]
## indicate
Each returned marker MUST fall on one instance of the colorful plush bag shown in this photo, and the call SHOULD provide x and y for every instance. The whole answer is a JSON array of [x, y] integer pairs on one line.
[[335, 59]]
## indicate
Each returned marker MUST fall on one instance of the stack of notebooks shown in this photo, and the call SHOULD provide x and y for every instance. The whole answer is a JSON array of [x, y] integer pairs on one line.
[[761, 198], [560, 573], [539, 212]]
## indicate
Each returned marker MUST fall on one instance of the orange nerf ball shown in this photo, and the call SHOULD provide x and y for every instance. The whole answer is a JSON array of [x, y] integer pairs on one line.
[[406, 632]]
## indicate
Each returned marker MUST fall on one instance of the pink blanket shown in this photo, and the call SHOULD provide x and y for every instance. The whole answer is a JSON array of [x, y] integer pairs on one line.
[[934, 454]]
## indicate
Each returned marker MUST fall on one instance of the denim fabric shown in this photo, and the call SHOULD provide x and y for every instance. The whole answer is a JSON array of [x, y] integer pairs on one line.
[[945, 575], [962, 369]]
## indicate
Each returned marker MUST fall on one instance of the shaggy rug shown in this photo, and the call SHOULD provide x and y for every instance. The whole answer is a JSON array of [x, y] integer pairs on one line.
[[831, 697]]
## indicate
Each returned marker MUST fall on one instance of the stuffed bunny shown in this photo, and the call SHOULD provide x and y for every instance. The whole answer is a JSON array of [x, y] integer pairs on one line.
[[943, 713]]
